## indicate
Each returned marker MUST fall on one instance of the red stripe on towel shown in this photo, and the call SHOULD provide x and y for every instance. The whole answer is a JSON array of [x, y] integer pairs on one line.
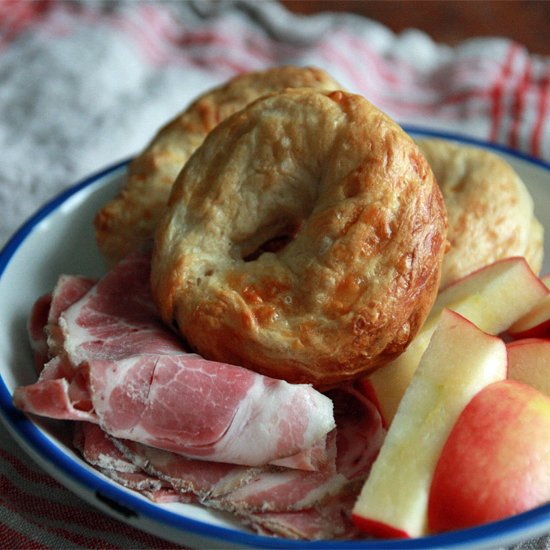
[[542, 110], [522, 88], [497, 92]]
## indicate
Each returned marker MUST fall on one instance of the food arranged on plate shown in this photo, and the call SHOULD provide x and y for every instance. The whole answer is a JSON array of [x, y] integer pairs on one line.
[[309, 322]]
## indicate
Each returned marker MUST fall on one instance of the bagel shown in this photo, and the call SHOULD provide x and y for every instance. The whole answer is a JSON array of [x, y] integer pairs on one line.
[[128, 221], [490, 211], [302, 240]]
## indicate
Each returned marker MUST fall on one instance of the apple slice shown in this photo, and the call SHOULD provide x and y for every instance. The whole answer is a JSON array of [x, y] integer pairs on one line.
[[529, 362], [492, 297], [459, 361], [496, 461]]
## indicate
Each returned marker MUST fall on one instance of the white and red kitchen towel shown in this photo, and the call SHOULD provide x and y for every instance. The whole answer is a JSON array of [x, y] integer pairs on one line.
[[85, 84]]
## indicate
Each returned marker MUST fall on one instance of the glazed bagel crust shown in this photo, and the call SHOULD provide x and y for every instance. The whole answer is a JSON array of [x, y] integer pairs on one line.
[[490, 211], [127, 222], [365, 231]]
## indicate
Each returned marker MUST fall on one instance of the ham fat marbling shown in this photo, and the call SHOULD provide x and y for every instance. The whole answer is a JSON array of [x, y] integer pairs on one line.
[[114, 363]]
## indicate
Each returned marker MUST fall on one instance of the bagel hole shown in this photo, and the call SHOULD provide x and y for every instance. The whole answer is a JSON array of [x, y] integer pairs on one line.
[[273, 244]]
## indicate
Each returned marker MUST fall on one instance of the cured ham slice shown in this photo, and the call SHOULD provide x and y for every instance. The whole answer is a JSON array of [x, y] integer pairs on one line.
[[123, 369], [36, 325], [322, 513], [209, 410], [60, 393], [237, 488], [52, 398], [42, 325], [355, 445], [68, 290], [360, 432], [99, 451], [43, 329], [278, 501], [312, 459], [331, 520], [270, 500], [177, 428], [283, 490], [117, 318], [206, 480]]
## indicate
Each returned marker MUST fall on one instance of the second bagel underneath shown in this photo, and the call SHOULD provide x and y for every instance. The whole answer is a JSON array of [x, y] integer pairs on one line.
[[303, 240]]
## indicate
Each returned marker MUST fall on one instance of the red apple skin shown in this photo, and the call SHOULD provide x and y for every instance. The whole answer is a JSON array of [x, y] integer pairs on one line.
[[540, 330], [378, 529], [496, 460]]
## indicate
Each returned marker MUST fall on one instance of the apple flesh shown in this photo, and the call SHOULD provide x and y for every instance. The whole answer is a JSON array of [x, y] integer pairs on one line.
[[386, 386], [492, 297], [460, 360], [529, 362], [496, 461]]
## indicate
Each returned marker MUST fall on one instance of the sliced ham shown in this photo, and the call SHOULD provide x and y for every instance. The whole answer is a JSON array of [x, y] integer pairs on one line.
[[312, 459], [120, 366], [51, 398], [149, 487], [98, 449], [206, 480], [283, 490], [68, 290], [60, 392], [46, 333], [243, 489], [275, 500], [355, 445], [117, 318], [177, 428], [321, 513], [329, 520], [43, 329], [360, 432], [167, 402], [36, 324], [236, 488]]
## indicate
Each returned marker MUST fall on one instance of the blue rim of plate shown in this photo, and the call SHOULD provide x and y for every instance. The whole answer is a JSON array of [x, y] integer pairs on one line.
[[511, 530]]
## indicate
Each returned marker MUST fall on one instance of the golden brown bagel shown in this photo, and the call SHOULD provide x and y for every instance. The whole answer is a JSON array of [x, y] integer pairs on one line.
[[490, 210], [359, 227], [128, 221]]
